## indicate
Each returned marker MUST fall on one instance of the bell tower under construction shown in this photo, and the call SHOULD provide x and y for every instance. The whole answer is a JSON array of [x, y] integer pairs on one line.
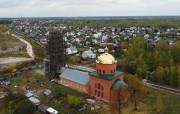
[[56, 55]]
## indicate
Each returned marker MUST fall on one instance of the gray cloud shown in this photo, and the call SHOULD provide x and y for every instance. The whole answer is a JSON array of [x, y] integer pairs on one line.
[[38, 8]]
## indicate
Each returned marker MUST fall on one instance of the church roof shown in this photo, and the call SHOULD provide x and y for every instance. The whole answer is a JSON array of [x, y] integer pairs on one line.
[[116, 85], [75, 76], [106, 58], [106, 76]]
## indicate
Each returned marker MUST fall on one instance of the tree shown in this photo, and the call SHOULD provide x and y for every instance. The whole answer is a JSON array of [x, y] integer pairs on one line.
[[40, 53], [13, 67], [136, 89], [73, 59], [175, 51], [74, 100], [11, 107], [163, 51], [4, 46], [25, 107], [158, 75], [19, 104], [159, 103], [141, 71], [120, 99], [178, 76]]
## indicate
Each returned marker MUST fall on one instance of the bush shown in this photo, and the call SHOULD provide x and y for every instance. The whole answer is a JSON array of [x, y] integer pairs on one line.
[[4, 46], [74, 100], [73, 59], [19, 104]]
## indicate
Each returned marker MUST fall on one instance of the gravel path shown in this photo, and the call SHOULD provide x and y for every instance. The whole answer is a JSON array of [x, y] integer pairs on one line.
[[19, 59]]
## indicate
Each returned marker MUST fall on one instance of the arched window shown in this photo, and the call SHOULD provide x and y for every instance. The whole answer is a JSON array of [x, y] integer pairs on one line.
[[103, 71], [111, 71], [99, 90], [99, 71]]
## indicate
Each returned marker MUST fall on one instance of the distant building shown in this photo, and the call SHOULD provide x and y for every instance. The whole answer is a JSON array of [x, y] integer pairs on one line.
[[71, 50], [88, 54]]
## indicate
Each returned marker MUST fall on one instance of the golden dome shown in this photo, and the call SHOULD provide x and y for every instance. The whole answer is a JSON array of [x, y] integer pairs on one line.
[[106, 58]]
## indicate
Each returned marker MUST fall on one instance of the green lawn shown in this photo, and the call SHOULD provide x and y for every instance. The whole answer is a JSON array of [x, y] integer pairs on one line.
[[171, 102]]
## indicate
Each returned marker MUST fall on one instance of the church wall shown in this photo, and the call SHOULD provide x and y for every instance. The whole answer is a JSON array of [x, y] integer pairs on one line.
[[106, 68], [74, 85], [106, 85], [113, 95]]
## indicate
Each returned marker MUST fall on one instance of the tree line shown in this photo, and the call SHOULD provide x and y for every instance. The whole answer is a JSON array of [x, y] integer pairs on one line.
[[160, 63]]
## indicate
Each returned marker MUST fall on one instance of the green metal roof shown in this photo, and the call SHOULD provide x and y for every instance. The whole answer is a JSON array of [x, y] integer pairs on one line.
[[106, 76], [117, 83]]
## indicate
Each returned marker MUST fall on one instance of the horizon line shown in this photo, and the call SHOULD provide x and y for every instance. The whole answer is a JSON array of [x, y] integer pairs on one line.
[[89, 16]]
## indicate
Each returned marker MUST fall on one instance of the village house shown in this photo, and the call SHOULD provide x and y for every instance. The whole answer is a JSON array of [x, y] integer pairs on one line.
[[88, 54]]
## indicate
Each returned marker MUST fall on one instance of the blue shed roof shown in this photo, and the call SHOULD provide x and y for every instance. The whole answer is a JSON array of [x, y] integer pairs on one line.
[[75, 75], [2, 78], [34, 100]]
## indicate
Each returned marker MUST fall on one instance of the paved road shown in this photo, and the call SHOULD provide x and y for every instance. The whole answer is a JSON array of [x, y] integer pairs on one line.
[[19, 59]]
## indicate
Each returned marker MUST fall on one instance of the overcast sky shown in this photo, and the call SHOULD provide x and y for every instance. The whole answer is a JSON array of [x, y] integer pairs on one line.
[[63, 8]]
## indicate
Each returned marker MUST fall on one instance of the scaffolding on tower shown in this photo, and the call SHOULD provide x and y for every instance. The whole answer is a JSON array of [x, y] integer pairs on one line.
[[56, 55]]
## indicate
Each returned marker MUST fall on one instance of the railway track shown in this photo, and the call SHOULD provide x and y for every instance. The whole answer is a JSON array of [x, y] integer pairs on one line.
[[167, 89]]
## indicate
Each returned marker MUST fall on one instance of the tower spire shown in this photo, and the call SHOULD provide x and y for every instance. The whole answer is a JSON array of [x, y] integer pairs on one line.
[[106, 49]]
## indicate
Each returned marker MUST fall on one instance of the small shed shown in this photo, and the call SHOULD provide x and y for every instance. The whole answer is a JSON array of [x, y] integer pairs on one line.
[[51, 111], [34, 100], [29, 94], [42, 108]]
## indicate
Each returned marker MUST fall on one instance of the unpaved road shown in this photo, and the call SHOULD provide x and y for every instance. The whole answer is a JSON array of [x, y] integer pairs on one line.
[[19, 59], [13, 60], [29, 46]]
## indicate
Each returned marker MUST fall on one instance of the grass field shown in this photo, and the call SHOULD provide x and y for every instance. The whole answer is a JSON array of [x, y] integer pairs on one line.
[[171, 102], [8, 41]]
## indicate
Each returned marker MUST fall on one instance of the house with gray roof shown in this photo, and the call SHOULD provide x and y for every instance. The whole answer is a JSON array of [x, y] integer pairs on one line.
[[71, 50], [88, 54]]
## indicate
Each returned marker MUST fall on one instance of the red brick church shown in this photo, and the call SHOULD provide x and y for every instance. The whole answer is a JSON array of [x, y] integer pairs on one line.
[[101, 83]]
